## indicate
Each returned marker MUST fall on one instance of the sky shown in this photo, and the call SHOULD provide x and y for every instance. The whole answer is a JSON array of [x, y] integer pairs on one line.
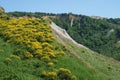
[[103, 8]]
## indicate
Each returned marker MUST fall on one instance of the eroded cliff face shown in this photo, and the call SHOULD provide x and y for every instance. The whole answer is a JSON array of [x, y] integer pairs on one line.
[[2, 10], [63, 33]]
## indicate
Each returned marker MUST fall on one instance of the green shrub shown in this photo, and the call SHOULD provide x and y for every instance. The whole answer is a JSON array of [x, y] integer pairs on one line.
[[7, 61], [49, 75], [65, 74]]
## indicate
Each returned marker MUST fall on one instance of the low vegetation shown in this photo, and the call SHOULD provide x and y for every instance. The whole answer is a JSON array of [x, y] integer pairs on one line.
[[29, 51], [99, 34], [32, 51]]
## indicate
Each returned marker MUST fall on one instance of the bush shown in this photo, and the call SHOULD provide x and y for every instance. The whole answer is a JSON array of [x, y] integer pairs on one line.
[[49, 75], [15, 57], [60, 53], [28, 55], [50, 64], [65, 74], [45, 58], [7, 61]]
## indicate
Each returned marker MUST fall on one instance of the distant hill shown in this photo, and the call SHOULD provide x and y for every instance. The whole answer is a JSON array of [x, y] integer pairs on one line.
[[99, 34]]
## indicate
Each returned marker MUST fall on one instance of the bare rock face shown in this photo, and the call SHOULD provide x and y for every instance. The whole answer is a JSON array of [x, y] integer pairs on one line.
[[2, 10], [64, 34]]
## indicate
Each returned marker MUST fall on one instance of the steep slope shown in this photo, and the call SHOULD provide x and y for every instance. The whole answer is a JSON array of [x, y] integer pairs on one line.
[[94, 32], [64, 34], [29, 51], [100, 35], [104, 66]]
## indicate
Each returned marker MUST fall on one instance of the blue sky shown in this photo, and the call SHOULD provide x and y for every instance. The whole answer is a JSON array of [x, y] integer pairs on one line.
[[103, 8]]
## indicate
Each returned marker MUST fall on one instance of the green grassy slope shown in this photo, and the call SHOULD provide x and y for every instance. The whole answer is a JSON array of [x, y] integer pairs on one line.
[[91, 65], [83, 63], [29, 51], [99, 34], [19, 59], [17, 67]]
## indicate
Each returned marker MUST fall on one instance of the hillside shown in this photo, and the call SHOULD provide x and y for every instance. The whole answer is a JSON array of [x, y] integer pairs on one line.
[[101, 65], [99, 34], [37, 49], [29, 51]]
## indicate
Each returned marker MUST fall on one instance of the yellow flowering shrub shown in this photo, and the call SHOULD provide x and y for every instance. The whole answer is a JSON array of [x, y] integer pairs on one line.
[[38, 52], [7, 60], [28, 55], [15, 56], [33, 33], [47, 49], [44, 74], [52, 75], [33, 39], [46, 44], [49, 75], [46, 58], [50, 64], [35, 45], [66, 74], [51, 54], [61, 74], [60, 53]]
